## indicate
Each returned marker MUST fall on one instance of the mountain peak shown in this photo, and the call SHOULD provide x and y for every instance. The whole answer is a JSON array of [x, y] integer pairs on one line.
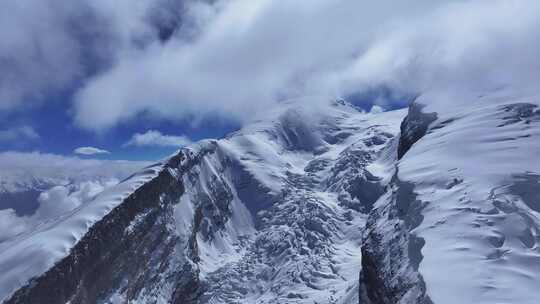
[[298, 204], [229, 207]]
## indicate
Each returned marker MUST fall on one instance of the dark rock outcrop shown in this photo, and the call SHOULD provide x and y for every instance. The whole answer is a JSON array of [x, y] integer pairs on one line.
[[414, 127], [129, 250], [391, 251]]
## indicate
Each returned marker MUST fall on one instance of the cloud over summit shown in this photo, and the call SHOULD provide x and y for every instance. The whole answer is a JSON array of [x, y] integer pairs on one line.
[[238, 57]]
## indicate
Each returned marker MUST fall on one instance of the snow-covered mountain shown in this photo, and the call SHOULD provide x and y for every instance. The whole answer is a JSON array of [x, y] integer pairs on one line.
[[460, 220], [315, 203]]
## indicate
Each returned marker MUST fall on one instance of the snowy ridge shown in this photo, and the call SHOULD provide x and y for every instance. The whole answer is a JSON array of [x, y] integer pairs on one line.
[[477, 173], [321, 204], [306, 246], [34, 252], [460, 221], [270, 214]]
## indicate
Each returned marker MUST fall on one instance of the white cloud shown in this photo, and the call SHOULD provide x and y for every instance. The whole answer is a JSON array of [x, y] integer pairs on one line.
[[375, 109], [18, 134], [63, 198], [234, 58], [247, 55], [155, 138], [463, 46], [32, 63], [90, 151], [53, 203], [11, 224], [251, 53], [21, 169], [70, 182], [91, 34]]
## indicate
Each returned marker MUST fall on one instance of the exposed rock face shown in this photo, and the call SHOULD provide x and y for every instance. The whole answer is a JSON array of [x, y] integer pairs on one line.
[[136, 253], [413, 127], [128, 249], [459, 221], [390, 252], [211, 227]]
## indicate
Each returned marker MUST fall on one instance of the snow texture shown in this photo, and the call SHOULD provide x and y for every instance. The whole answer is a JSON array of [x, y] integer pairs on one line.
[[321, 204], [476, 173], [275, 207]]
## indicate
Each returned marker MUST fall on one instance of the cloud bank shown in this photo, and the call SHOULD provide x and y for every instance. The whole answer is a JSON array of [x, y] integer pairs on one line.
[[23, 169], [253, 53], [64, 184], [53, 203], [248, 55], [49, 46], [234, 58]]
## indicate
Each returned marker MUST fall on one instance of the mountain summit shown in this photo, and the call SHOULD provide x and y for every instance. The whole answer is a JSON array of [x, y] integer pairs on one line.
[[313, 203]]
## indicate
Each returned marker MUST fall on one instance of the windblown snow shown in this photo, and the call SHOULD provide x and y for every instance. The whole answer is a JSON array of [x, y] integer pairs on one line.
[[477, 173]]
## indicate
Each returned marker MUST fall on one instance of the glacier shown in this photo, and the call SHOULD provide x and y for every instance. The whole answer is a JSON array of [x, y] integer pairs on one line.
[[314, 202], [470, 218]]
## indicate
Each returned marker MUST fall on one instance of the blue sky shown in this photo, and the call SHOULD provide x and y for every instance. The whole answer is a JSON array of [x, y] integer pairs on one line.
[[53, 122], [96, 74]]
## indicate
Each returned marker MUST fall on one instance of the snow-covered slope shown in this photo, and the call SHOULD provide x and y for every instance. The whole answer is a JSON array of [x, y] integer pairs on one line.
[[477, 170], [460, 222], [35, 251], [314, 203], [271, 214]]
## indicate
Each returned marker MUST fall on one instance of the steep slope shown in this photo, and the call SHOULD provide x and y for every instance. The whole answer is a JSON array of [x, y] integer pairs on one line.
[[272, 214], [315, 203], [460, 221]]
